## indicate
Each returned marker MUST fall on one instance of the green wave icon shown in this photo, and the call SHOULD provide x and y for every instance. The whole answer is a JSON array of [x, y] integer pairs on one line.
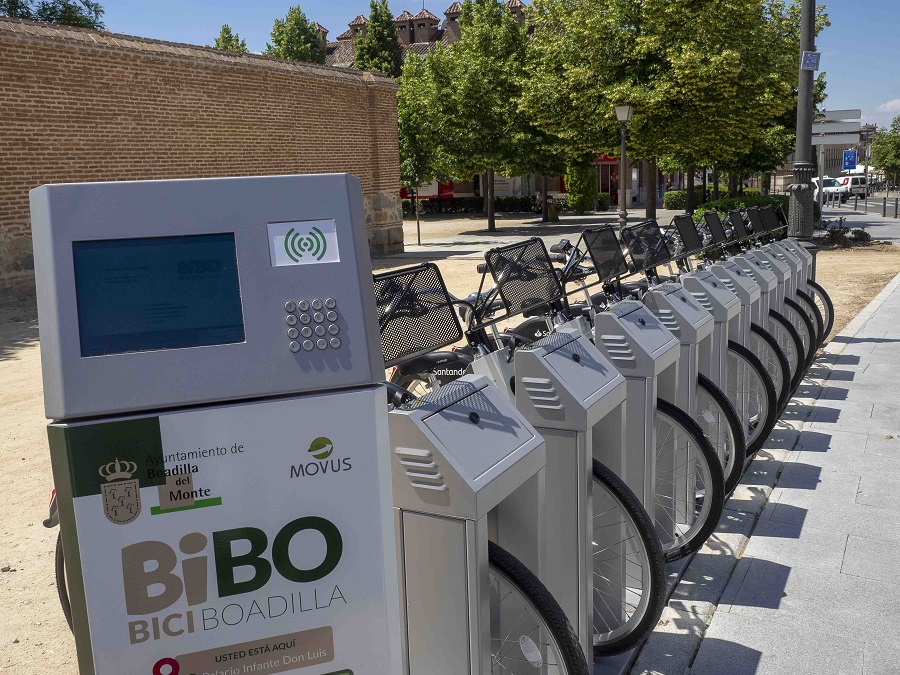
[[321, 448]]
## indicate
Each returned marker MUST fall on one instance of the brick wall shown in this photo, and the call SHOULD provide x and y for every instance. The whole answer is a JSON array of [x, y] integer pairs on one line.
[[79, 105]]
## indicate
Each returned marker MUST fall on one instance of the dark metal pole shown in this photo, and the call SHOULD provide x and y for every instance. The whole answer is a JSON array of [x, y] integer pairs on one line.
[[623, 209], [801, 220]]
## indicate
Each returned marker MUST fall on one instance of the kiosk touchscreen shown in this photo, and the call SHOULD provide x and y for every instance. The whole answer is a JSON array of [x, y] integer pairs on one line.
[[204, 345]]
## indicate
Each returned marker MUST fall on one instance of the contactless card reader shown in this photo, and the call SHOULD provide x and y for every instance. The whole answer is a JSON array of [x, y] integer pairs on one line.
[[204, 343]]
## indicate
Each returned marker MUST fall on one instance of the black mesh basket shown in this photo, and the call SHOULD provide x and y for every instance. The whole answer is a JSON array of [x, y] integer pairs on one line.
[[770, 218], [756, 220], [737, 222], [646, 245], [691, 241], [716, 229], [524, 275], [606, 253], [415, 313]]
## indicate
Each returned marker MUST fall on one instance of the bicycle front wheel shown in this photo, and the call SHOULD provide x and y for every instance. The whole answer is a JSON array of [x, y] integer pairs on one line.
[[813, 314], [690, 486], [629, 568], [529, 630], [801, 323], [722, 426], [765, 347], [752, 394], [823, 301], [791, 345], [59, 564]]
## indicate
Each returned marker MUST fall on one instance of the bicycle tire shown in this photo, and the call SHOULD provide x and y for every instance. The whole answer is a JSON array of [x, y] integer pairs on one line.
[[59, 564], [779, 361], [792, 347], [804, 328], [501, 562], [656, 565], [766, 410], [827, 306], [714, 487], [733, 466], [814, 315]]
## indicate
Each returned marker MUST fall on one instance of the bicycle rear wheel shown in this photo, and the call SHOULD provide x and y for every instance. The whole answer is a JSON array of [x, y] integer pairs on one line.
[[722, 426], [529, 630], [823, 301], [690, 485], [752, 394], [629, 568]]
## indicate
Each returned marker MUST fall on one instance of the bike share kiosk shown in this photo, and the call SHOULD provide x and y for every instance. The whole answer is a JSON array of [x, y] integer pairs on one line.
[[769, 260], [204, 344], [467, 469], [574, 397]]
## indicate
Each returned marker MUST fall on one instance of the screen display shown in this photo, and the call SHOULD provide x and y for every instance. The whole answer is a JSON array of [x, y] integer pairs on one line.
[[137, 295]]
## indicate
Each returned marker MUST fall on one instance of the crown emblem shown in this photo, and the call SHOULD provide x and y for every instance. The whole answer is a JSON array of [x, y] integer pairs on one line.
[[117, 470]]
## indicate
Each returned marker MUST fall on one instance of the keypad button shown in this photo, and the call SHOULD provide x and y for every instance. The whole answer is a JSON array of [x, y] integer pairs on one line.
[[304, 319], [331, 316], [318, 317], [290, 306], [294, 347], [293, 333], [308, 345], [321, 344], [335, 342], [303, 305], [306, 331], [333, 329], [330, 303], [320, 330], [317, 304], [291, 320]]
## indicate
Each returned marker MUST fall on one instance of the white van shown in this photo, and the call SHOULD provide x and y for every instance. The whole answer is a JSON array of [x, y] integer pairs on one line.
[[856, 185]]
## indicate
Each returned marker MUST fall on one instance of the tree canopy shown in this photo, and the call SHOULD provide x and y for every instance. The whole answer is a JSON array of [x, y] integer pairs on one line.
[[79, 13], [294, 37], [886, 149], [230, 41], [379, 49]]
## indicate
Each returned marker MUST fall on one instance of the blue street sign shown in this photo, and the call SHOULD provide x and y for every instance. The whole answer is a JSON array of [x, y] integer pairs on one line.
[[810, 60], [849, 160]]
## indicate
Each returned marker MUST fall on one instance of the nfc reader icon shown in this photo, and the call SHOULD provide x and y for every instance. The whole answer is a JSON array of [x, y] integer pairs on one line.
[[303, 242]]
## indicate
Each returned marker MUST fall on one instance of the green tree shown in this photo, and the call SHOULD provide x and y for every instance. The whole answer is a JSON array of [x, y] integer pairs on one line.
[[379, 48], [581, 186], [293, 37], [479, 79], [886, 151], [230, 41], [79, 13]]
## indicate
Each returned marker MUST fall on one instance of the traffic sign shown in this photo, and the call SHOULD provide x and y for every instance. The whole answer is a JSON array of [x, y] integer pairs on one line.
[[849, 160], [836, 139], [835, 127], [810, 61], [839, 115]]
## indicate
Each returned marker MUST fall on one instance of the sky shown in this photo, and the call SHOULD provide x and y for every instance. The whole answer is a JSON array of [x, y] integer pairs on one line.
[[860, 51]]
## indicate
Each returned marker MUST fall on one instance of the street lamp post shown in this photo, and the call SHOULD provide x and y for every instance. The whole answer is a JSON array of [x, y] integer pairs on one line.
[[801, 218], [623, 115]]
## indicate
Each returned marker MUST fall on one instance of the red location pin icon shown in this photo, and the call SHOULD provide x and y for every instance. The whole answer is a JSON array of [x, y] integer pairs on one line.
[[173, 668]]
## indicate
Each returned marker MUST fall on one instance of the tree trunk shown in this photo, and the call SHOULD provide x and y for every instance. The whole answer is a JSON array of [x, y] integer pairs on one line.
[[715, 177], [418, 223], [545, 202], [652, 189], [492, 223], [732, 185], [691, 191], [703, 198], [484, 192]]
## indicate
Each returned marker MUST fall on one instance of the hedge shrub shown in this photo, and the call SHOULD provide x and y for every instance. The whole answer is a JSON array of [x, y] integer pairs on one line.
[[581, 187], [677, 199]]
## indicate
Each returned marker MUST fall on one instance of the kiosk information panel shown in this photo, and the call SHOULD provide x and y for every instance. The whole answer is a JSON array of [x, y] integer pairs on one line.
[[204, 343]]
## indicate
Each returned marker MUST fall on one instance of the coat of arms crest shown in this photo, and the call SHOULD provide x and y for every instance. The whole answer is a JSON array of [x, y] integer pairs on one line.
[[121, 495]]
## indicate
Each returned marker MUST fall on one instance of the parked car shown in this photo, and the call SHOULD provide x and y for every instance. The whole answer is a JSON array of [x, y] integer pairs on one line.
[[830, 186]]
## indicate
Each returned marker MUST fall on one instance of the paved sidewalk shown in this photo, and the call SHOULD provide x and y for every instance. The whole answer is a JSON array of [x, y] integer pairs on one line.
[[801, 577]]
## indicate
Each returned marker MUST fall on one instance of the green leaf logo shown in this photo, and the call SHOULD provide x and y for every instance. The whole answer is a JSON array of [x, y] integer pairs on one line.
[[321, 448]]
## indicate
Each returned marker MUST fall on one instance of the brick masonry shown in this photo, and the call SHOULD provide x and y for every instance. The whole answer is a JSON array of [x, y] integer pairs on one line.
[[79, 105]]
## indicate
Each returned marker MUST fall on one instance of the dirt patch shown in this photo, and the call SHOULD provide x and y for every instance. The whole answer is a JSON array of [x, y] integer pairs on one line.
[[34, 638], [853, 276]]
